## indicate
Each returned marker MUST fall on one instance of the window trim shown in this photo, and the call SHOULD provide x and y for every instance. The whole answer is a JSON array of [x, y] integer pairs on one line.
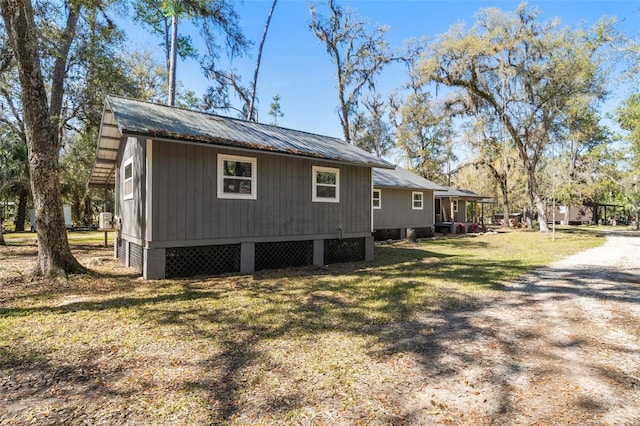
[[125, 164], [455, 206], [253, 179], [314, 185], [413, 200], [374, 199]]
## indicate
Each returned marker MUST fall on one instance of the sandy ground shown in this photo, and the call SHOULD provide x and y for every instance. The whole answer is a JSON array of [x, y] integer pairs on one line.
[[560, 346]]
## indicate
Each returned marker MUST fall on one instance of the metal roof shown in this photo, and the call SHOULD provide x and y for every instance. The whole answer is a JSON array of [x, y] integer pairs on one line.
[[126, 117], [402, 179], [458, 193]]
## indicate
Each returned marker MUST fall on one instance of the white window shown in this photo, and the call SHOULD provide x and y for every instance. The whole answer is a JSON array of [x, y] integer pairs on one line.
[[416, 200], [237, 177], [455, 205], [377, 199], [127, 179], [326, 184]]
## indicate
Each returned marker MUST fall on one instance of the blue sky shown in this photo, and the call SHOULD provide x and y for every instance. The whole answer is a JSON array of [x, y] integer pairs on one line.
[[296, 67]]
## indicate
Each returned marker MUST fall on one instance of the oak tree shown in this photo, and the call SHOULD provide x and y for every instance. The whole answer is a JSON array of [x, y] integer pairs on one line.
[[357, 54], [42, 121], [525, 73]]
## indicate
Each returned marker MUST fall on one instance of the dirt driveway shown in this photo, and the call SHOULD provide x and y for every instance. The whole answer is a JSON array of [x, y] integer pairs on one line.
[[561, 346]]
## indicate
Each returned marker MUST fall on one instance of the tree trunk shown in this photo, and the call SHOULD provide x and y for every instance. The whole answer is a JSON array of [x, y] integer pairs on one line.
[[254, 88], [21, 215], [54, 254], [88, 214], [343, 112], [76, 207], [505, 202], [536, 200], [502, 179], [60, 72], [2, 241], [173, 58]]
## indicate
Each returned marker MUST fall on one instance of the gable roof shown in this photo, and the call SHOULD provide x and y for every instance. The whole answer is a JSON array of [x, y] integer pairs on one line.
[[124, 117], [400, 178]]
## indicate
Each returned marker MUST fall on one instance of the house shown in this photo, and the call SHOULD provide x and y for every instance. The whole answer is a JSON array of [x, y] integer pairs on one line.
[[451, 210], [402, 200], [587, 214], [199, 193]]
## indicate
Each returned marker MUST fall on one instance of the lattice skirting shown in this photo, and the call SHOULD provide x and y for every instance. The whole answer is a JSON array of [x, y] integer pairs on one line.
[[425, 232], [203, 260], [345, 250], [121, 252], [136, 256], [387, 234], [283, 254]]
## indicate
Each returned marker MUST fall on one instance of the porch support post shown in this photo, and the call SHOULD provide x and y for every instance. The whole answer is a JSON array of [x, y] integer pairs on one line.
[[154, 264], [451, 211], [247, 258], [368, 249], [318, 252]]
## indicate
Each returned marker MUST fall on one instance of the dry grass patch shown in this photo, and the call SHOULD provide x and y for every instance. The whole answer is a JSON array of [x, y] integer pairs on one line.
[[300, 346]]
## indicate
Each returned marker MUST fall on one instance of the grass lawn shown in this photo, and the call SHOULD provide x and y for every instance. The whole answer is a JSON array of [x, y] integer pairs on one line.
[[297, 346]]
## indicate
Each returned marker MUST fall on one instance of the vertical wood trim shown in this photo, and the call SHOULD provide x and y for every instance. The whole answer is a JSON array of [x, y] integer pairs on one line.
[[209, 214], [148, 209], [172, 208], [371, 197], [199, 212]]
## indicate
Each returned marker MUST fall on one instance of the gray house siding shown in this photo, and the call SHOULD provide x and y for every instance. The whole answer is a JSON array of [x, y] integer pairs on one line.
[[131, 211], [181, 221], [188, 212], [397, 211]]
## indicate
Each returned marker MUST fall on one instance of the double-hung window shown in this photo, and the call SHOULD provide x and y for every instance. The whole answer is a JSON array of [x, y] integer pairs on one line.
[[326, 184], [127, 179], [237, 177], [416, 200], [377, 199]]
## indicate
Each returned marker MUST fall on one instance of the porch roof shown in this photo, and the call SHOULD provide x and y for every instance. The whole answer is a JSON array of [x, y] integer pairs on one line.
[[400, 178], [460, 194]]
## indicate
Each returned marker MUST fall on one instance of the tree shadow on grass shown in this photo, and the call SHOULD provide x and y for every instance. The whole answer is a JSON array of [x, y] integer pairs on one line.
[[386, 303], [358, 299]]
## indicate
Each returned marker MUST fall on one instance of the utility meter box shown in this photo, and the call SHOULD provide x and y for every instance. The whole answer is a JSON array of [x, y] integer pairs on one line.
[[105, 220]]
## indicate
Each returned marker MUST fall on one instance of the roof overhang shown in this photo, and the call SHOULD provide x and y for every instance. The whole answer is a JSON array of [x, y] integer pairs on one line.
[[103, 173], [459, 194]]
